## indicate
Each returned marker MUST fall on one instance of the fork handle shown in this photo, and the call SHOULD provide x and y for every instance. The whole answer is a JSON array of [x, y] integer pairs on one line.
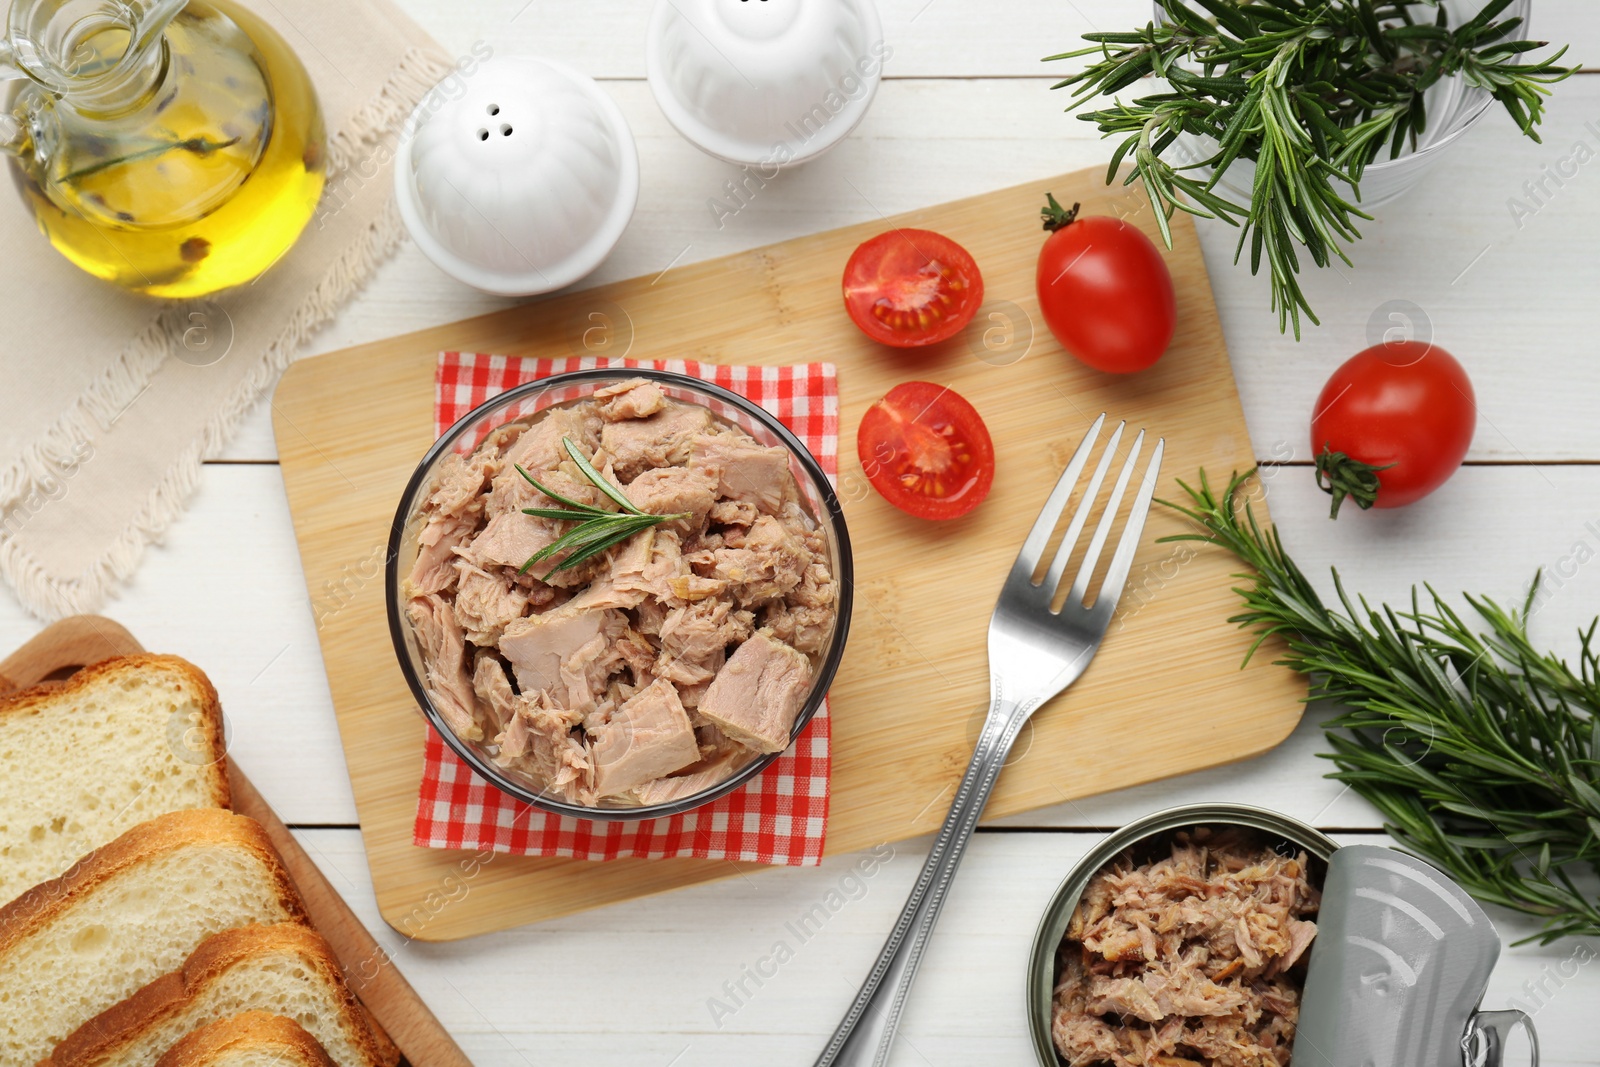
[[867, 1031]]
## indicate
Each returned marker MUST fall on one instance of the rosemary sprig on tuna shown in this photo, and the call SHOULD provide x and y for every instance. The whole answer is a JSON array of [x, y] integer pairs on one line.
[[1311, 92], [597, 528], [1481, 752]]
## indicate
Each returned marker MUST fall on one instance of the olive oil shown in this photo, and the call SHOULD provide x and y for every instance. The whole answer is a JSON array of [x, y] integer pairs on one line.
[[201, 176]]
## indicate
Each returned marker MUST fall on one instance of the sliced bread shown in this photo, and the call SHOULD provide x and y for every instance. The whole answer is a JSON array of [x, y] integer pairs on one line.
[[84, 762], [254, 1039], [127, 914], [287, 970]]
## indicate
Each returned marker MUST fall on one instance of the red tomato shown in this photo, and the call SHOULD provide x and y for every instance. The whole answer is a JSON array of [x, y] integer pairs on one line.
[[927, 451], [1105, 291], [911, 287], [1392, 424]]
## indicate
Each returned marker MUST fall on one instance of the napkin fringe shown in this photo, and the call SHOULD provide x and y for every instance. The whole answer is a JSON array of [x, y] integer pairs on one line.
[[417, 73], [58, 449], [48, 598], [37, 473]]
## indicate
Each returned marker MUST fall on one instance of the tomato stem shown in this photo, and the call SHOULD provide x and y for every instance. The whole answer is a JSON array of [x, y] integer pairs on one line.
[[1340, 476], [1055, 216]]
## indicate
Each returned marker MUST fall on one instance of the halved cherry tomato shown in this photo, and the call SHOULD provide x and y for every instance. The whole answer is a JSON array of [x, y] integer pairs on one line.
[[911, 287], [927, 451]]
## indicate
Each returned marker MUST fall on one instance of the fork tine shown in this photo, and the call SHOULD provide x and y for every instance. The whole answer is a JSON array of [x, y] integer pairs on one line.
[[1052, 580], [1122, 561], [1033, 548], [1080, 584]]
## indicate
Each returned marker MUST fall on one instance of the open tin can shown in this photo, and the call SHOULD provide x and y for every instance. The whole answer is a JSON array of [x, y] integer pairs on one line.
[[1400, 963]]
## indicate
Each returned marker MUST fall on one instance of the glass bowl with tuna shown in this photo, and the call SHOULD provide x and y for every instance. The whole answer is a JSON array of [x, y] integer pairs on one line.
[[619, 593]]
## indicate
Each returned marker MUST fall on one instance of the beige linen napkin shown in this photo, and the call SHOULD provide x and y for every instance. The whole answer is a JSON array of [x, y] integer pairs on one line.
[[110, 401]]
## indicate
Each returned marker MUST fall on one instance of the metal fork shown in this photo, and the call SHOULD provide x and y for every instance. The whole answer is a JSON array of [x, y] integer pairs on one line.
[[1034, 653]]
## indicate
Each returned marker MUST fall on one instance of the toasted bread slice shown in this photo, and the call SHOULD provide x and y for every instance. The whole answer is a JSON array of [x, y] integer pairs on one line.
[[287, 969], [254, 1039], [127, 914], [84, 762]]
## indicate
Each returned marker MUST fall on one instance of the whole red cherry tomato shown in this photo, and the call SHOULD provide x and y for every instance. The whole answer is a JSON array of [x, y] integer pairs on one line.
[[927, 451], [1104, 290], [909, 288], [1392, 424]]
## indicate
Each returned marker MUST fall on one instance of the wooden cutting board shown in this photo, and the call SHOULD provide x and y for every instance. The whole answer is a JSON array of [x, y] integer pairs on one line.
[[61, 649], [1165, 694]]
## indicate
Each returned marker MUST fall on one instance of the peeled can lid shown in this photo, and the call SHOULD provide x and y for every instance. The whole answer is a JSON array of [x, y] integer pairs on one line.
[[1401, 962]]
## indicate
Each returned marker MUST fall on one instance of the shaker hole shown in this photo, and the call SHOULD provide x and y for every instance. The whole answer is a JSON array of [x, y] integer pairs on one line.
[[483, 135], [505, 130], [493, 109]]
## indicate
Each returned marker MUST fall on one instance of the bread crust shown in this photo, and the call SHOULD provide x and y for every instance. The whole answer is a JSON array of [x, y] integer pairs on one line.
[[285, 1038], [42, 696], [163, 834], [97, 1042]]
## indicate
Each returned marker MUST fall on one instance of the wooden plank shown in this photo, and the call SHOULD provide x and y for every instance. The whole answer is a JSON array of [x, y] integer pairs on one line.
[[667, 957], [223, 590], [908, 701], [393, 1006], [931, 38], [266, 663], [926, 142], [930, 141]]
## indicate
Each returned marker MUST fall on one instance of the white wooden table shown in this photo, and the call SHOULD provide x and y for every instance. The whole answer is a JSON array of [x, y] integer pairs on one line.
[[965, 108]]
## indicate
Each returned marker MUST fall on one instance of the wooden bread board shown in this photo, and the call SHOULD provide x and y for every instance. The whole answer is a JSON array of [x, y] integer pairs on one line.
[[391, 1003], [1165, 695]]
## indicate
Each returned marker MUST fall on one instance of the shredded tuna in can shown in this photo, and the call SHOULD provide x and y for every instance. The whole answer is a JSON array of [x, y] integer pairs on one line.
[[1191, 960]]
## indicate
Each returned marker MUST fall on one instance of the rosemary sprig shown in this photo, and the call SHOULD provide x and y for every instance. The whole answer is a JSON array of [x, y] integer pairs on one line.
[[1311, 92], [597, 529], [1481, 752], [197, 146]]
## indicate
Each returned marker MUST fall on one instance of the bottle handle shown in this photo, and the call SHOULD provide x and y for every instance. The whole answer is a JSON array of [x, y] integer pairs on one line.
[[10, 69], [15, 122], [19, 122], [1487, 1031], [14, 137]]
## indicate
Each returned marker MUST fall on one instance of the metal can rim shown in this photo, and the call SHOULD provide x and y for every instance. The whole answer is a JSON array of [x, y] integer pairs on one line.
[[1053, 923]]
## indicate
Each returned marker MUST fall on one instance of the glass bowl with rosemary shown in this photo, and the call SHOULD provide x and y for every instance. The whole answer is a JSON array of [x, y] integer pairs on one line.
[[619, 593], [1291, 120], [1421, 132]]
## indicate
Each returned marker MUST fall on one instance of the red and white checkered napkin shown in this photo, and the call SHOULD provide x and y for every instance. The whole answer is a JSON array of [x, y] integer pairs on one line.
[[777, 817]]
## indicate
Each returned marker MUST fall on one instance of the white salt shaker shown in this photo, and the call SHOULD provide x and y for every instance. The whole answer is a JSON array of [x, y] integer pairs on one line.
[[767, 83], [522, 181]]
